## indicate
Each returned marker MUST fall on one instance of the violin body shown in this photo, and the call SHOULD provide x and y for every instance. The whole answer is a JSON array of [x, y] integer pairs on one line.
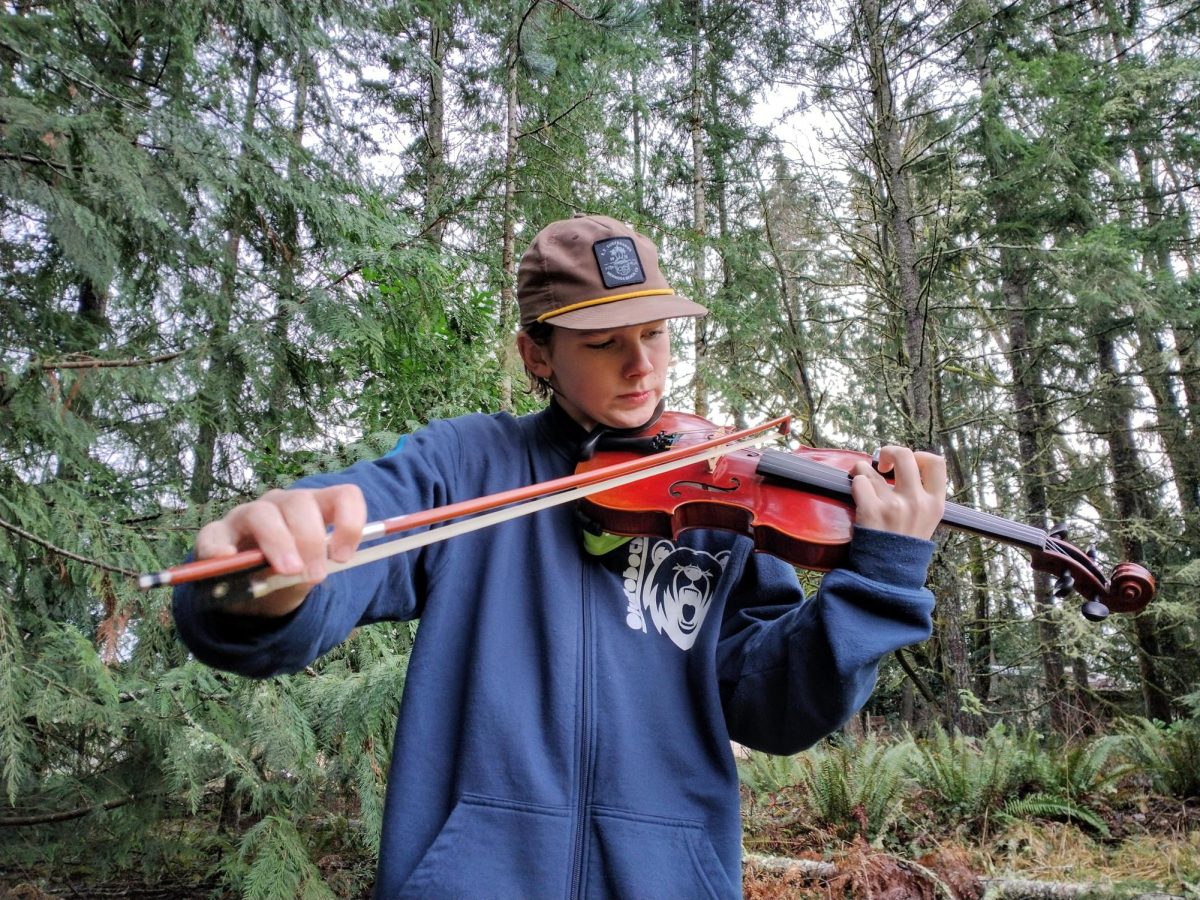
[[807, 529], [796, 505]]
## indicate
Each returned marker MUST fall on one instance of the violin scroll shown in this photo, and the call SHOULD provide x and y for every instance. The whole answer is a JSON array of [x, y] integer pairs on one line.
[[1130, 588]]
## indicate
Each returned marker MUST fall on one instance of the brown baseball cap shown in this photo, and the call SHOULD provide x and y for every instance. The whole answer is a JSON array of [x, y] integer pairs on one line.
[[595, 272]]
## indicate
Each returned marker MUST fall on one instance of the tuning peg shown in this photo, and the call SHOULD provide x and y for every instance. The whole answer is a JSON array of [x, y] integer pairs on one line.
[[1091, 552], [1064, 585], [1094, 611], [1059, 531]]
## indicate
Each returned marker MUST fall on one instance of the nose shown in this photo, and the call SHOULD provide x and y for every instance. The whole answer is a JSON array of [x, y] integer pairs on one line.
[[638, 362]]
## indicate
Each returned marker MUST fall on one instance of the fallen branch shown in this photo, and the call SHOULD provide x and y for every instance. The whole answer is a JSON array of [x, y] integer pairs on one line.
[[993, 888], [63, 816], [781, 865], [1024, 889]]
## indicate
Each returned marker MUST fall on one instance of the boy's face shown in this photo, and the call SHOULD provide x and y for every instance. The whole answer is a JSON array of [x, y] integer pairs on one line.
[[612, 377]]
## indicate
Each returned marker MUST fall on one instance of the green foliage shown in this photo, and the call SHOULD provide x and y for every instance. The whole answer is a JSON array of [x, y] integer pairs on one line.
[[969, 783], [856, 787], [1052, 806], [844, 787], [767, 773], [967, 779], [226, 261], [1168, 755], [273, 861]]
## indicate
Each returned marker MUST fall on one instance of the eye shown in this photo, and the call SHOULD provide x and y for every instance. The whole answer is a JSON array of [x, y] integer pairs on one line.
[[602, 345]]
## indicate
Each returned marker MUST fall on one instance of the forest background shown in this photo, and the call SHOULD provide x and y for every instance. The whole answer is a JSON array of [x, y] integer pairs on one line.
[[244, 241]]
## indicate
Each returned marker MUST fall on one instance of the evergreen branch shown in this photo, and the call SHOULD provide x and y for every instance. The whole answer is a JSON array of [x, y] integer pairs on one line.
[[68, 814], [91, 362], [33, 538], [544, 126]]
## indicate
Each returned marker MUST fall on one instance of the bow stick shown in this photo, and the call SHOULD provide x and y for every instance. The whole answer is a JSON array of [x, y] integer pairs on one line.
[[519, 502]]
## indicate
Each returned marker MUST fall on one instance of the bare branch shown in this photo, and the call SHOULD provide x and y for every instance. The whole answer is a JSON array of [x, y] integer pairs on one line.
[[34, 539], [65, 815], [91, 362]]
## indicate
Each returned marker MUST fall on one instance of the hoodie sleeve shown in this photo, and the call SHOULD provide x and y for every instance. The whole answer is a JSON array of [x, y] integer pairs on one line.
[[391, 589], [791, 673]]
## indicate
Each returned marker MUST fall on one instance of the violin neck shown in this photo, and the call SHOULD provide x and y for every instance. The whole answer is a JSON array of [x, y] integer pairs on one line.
[[834, 482]]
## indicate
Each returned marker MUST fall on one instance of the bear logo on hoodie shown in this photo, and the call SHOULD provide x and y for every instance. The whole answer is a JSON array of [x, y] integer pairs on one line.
[[675, 584]]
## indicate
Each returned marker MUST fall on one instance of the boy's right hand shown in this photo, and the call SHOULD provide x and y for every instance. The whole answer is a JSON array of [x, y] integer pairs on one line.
[[289, 527]]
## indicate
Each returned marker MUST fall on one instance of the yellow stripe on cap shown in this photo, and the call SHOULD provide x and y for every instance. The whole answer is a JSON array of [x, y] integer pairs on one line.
[[599, 301]]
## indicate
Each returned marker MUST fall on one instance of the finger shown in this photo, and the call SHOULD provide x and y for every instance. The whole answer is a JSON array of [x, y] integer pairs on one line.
[[343, 507], [902, 463], [864, 490], [868, 489], [261, 524], [306, 523], [216, 539], [867, 472], [933, 473]]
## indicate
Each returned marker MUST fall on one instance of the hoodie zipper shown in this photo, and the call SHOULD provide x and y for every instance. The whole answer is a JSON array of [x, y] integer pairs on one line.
[[585, 745]]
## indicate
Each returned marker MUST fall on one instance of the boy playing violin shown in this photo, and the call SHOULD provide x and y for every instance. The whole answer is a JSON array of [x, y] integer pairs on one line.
[[569, 703]]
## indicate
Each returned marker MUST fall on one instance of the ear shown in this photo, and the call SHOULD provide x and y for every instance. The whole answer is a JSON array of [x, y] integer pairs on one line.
[[535, 356]]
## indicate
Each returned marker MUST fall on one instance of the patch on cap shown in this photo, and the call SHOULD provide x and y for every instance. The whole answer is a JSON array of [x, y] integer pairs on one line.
[[619, 262]]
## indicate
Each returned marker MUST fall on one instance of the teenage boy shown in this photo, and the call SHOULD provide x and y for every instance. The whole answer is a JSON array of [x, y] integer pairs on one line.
[[567, 714]]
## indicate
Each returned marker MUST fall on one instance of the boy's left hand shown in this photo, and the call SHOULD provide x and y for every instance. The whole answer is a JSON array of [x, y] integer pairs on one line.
[[913, 505]]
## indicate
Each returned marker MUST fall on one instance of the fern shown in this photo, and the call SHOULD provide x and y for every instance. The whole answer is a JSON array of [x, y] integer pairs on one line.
[[1052, 806], [1169, 755], [274, 862], [968, 778], [857, 787], [766, 773]]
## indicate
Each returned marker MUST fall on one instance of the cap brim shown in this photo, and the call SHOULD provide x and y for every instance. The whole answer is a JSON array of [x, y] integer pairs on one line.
[[634, 311]]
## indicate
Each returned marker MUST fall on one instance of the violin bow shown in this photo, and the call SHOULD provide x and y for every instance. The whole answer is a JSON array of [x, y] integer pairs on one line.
[[499, 507]]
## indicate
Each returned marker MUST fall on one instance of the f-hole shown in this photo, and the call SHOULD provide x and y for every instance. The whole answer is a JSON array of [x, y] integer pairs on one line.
[[735, 484]]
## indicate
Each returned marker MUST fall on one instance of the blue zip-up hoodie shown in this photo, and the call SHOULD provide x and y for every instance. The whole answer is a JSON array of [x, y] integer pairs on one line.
[[566, 718]]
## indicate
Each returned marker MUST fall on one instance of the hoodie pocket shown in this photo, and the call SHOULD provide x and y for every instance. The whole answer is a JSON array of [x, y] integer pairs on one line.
[[494, 849], [650, 858]]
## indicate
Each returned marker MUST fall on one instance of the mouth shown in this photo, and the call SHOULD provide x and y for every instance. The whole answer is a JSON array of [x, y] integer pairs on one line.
[[635, 397], [689, 605]]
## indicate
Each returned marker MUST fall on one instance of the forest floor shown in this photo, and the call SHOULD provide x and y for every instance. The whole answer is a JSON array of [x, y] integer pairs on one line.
[[1152, 850]]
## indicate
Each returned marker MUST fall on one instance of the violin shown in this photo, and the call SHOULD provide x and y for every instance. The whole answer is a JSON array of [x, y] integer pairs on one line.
[[797, 505], [678, 472]]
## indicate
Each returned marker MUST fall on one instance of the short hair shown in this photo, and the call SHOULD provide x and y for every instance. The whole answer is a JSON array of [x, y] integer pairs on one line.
[[541, 333]]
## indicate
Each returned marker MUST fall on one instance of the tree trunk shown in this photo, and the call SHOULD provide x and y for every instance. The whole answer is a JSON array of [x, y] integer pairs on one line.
[[508, 259], [978, 653], [639, 175], [886, 154], [1132, 496], [1015, 277], [289, 261], [213, 411], [801, 368], [435, 130], [699, 208]]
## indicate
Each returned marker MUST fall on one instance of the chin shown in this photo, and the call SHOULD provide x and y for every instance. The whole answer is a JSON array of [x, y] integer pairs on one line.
[[631, 418]]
